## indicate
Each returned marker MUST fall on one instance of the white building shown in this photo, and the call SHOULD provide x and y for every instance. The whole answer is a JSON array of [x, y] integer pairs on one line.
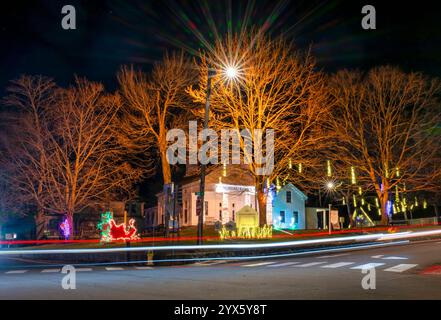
[[227, 190]]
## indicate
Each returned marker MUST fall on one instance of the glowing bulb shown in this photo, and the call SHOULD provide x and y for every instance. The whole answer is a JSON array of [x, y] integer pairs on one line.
[[330, 185], [231, 72]]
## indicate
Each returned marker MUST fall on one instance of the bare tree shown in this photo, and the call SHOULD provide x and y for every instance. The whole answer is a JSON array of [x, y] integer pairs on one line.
[[276, 88], [24, 143], [152, 106], [384, 124], [62, 149]]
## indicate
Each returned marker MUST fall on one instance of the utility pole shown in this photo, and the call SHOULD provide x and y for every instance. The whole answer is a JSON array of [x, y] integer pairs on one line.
[[201, 195], [329, 219]]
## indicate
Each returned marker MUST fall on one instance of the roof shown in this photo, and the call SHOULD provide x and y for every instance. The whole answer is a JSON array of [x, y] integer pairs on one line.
[[296, 190]]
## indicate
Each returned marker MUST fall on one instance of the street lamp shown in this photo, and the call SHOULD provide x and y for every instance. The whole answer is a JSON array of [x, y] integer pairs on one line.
[[330, 187], [231, 73]]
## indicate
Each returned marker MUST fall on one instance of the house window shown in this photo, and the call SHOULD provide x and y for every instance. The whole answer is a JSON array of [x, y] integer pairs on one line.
[[234, 216], [233, 205], [186, 216], [206, 208], [282, 216], [220, 215], [288, 196], [295, 215], [220, 204]]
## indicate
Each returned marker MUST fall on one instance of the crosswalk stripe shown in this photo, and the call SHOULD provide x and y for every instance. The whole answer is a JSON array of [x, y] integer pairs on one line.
[[16, 271], [401, 267], [50, 270], [114, 268], [338, 265], [378, 257], [143, 268], [368, 266], [395, 258], [257, 264], [282, 264], [84, 269], [311, 264]]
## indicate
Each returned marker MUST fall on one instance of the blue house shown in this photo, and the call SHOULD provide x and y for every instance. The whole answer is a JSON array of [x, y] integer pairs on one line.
[[288, 209]]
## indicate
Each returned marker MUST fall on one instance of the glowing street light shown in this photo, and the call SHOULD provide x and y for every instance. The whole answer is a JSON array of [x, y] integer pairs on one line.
[[231, 72], [330, 186]]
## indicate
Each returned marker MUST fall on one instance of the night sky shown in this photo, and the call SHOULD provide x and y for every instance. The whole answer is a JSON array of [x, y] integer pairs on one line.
[[117, 32], [112, 33]]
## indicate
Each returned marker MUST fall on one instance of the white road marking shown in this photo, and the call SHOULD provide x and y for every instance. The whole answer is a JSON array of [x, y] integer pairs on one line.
[[16, 271], [143, 268], [282, 264], [395, 258], [378, 257], [84, 269], [311, 264], [333, 256], [258, 264], [114, 268], [368, 266], [50, 270], [338, 265], [401, 267]]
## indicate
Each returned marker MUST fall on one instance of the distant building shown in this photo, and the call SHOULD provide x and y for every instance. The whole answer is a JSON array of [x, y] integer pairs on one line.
[[288, 208], [227, 190]]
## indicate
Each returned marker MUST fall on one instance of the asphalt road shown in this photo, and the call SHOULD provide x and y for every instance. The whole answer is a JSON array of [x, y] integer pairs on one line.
[[401, 272]]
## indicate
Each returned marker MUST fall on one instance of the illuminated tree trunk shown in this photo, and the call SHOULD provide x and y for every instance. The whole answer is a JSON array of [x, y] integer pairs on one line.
[[70, 220], [165, 165], [261, 200], [384, 198]]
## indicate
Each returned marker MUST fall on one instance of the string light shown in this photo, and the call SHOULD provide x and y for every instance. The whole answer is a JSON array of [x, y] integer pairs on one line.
[[300, 167], [290, 164], [328, 168], [353, 176]]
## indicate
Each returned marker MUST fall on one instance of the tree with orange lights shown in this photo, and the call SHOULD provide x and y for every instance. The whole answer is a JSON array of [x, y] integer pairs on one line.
[[275, 87]]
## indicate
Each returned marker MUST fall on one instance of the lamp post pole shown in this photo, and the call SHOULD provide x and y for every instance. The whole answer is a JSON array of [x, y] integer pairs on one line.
[[329, 219], [201, 195]]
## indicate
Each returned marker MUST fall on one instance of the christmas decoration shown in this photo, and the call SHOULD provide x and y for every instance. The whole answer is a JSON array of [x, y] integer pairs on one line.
[[328, 168], [265, 232], [353, 176], [111, 231], [65, 228], [104, 226], [123, 232]]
